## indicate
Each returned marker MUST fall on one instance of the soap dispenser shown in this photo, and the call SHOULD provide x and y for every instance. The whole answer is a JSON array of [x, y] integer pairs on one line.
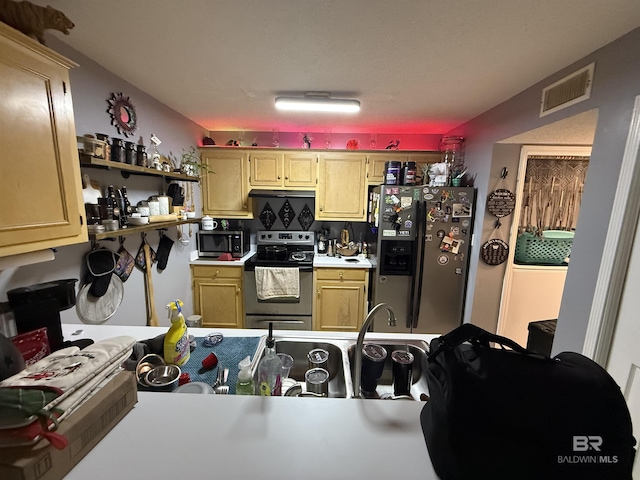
[[270, 369], [245, 384], [176, 347]]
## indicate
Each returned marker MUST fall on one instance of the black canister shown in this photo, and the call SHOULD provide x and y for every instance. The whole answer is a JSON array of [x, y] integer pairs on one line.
[[117, 150], [141, 156], [409, 171], [130, 153], [373, 357], [402, 367], [392, 173]]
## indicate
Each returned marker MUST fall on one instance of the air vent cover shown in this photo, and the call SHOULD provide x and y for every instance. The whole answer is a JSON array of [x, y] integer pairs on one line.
[[570, 90]]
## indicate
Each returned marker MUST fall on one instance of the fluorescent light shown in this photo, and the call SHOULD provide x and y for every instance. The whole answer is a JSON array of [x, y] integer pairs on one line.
[[317, 103]]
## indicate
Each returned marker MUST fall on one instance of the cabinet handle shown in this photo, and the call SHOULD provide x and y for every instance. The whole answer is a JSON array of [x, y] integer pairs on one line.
[[237, 291], [320, 208], [279, 177], [286, 178], [340, 275], [318, 293]]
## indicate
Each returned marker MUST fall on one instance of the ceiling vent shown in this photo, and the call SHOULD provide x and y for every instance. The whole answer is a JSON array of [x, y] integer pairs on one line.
[[568, 91]]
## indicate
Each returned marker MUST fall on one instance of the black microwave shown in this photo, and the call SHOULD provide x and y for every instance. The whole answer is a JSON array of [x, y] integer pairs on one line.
[[213, 243]]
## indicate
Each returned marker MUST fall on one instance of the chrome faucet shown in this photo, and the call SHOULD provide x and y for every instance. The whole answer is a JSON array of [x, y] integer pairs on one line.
[[357, 369]]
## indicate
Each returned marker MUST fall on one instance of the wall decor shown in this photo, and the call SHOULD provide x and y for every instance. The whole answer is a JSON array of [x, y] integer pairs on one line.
[[306, 217], [267, 217], [286, 214], [123, 114]]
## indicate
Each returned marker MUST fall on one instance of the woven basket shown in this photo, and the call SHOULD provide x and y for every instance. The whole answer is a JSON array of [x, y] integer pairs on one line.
[[552, 249]]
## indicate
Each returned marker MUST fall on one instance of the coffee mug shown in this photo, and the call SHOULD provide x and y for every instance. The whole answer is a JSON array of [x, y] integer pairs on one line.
[[209, 223]]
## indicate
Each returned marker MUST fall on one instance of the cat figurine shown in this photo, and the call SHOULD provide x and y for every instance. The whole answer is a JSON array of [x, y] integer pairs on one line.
[[33, 20]]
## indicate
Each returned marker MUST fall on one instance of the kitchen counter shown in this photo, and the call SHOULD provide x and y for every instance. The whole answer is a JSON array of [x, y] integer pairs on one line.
[[318, 261], [175, 436], [341, 262]]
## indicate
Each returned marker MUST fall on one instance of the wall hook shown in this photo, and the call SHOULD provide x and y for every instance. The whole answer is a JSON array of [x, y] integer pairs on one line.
[[504, 172]]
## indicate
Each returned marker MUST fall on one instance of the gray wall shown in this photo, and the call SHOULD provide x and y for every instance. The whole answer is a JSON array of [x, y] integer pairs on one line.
[[614, 88], [91, 86]]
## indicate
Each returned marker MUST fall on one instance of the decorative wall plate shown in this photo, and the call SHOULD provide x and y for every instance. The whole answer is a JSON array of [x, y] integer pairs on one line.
[[123, 114], [268, 217], [494, 251], [501, 202], [286, 214], [306, 218]]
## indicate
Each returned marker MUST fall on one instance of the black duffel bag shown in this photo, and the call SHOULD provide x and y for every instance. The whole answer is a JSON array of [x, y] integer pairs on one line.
[[498, 413]]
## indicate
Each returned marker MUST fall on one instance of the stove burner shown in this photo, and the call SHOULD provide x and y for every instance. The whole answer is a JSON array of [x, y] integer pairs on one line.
[[298, 256]]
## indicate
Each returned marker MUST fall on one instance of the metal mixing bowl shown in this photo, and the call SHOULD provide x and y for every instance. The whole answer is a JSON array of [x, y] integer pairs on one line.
[[164, 377], [145, 365]]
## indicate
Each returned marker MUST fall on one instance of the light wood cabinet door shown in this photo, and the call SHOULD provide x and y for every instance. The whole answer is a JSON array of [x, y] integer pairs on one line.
[[41, 195], [300, 169], [217, 296], [341, 187], [225, 187], [375, 166], [266, 169], [340, 302]]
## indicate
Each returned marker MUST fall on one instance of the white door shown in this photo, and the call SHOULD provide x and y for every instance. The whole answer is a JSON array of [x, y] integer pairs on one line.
[[624, 356]]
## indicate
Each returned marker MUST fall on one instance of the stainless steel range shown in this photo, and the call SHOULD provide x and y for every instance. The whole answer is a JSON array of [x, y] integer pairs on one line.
[[281, 249]]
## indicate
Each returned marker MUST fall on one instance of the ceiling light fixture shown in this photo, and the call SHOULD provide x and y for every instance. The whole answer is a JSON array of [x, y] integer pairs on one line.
[[317, 102]]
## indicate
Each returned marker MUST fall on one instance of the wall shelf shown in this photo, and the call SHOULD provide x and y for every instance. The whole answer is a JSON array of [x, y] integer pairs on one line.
[[139, 229], [126, 170]]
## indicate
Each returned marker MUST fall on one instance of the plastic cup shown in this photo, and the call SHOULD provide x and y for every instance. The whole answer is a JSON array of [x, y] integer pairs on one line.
[[287, 363]]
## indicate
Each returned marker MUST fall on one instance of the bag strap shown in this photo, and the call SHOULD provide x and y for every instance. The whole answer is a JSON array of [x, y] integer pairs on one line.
[[469, 332]]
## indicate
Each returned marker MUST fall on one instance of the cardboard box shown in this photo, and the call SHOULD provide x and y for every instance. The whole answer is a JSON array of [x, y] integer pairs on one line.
[[84, 428]]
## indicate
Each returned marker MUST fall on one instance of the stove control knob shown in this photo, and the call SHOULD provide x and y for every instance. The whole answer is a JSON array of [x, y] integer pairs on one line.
[[262, 236], [306, 237], [300, 235], [268, 235]]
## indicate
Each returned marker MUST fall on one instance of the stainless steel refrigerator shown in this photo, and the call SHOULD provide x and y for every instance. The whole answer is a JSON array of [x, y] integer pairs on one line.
[[423, 243]]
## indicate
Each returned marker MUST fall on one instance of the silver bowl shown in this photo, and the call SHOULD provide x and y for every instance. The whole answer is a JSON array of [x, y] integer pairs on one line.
[[164, 377], [145, 365]]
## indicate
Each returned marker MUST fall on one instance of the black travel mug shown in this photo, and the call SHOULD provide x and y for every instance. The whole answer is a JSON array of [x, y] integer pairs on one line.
[[402, 367]]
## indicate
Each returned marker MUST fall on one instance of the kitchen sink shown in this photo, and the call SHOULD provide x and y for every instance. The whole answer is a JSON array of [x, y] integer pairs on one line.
[[298, 348], [341, 360], [385, 385]]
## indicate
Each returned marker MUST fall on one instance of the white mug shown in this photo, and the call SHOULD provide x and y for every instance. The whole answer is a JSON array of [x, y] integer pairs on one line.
[[163, 206], [209, 223]]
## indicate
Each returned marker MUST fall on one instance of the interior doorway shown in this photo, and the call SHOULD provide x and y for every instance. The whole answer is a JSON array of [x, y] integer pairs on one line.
[[548, 194]]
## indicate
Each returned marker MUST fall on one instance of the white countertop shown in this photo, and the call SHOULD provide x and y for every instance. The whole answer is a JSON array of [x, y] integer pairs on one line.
[[341, 262], [318, 261], [182, 436]]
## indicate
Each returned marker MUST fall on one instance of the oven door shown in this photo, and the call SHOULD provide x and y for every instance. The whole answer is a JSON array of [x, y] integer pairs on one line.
[[296, 313]]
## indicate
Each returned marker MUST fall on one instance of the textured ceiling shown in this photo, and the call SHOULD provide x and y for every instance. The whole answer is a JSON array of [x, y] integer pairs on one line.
[[417, 66]]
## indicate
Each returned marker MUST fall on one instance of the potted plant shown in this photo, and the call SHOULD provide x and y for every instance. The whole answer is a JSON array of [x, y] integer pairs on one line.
[[191, 163]]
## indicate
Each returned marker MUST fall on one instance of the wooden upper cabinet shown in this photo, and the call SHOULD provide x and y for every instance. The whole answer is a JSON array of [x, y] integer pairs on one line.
[[266, 169], [341, 188], [283, 170], [375, 165], [225, 188], [41, 197], [300, 169]]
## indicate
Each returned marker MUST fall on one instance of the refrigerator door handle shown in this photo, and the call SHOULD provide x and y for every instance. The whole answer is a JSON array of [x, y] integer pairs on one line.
[[422, 225], [412, 297]]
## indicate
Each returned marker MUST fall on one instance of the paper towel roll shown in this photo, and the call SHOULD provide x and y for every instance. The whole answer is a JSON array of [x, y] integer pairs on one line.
[[154, 208], [13, 261], [164, 205]]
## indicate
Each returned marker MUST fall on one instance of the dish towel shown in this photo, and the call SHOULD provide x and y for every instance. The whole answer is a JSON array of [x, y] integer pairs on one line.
[[277, 282]]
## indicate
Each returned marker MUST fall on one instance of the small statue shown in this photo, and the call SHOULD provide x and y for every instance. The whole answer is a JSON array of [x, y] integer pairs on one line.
[[33, 20], [393, 145]]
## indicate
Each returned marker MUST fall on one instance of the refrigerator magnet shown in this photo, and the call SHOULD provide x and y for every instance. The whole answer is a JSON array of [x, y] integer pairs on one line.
[[443, 259]]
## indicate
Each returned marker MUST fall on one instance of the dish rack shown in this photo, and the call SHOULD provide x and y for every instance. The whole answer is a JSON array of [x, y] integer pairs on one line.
[[552, 249]]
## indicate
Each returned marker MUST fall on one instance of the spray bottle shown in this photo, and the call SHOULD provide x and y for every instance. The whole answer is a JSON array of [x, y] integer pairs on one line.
[[176, 341], [245, 384]]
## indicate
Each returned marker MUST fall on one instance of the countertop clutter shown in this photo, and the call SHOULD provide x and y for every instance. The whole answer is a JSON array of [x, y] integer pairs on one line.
[[256, 437], [318, 261]]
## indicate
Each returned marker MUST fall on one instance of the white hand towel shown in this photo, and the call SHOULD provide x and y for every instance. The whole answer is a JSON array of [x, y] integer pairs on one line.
[[276, 282]]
